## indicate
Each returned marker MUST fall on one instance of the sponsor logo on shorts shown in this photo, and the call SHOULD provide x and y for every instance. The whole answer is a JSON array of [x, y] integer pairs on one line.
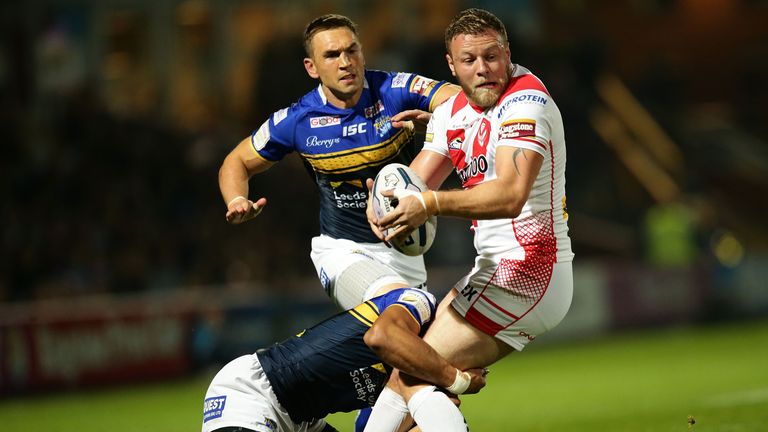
[[213, 407], [518, 128], [325, 281], [269, 424], [318, 122], [400, 80]]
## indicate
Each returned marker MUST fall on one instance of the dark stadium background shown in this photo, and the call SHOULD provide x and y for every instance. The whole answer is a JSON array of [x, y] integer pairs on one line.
[[116, 263]]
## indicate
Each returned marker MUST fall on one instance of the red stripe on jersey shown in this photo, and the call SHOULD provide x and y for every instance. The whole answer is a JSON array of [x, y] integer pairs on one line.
[[552, 191], [459, 103], [530, 141]]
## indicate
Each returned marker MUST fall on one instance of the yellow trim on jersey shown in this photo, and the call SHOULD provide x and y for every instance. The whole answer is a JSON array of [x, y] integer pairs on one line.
[[359, 158], [366, 313], [379, 367], [256, 152], [432, 99]]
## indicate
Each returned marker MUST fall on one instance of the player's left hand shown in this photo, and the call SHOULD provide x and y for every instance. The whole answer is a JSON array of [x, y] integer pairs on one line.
[[478, 380], [409, 213], [372, 221], [420, 117]]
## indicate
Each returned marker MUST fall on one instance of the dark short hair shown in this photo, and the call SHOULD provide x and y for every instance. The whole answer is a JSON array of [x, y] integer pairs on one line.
[[325, 22], [473, 21]]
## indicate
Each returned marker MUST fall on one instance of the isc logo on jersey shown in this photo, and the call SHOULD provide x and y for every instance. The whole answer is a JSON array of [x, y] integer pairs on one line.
[[354, 129]]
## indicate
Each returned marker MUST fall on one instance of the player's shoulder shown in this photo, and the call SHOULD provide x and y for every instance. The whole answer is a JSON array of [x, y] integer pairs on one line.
[[311, 102], [526, 93]]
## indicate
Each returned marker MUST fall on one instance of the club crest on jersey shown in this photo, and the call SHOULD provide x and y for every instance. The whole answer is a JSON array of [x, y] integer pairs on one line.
[[213, 407], [318, 122], [373, 111], [517, 128], [482, 133]]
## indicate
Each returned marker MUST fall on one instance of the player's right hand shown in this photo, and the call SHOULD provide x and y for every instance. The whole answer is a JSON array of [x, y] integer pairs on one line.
[[477, 380], [241, 209]]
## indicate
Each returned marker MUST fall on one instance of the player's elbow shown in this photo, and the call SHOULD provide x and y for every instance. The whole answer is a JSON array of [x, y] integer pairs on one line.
[[377, 339], [510, 208]]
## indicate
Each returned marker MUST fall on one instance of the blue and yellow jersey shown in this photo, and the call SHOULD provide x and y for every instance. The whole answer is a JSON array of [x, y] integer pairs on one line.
[[328, 368], [344, 147]]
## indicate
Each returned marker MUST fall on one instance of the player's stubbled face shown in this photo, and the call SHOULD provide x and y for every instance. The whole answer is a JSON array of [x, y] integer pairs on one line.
[[481, 63], [339, 61]]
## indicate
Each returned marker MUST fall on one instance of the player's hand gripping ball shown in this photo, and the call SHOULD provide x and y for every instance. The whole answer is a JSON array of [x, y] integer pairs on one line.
[[399, 176]]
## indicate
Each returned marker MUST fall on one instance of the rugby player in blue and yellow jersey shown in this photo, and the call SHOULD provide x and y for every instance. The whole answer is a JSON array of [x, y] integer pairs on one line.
[[339, 365], [345, 130]]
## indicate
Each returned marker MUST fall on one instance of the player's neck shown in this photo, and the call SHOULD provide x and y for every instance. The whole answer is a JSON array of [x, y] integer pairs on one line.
[[343, 101]]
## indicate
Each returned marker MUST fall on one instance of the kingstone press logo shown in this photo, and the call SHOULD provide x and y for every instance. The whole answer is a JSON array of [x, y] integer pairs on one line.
[[517, 128], [213, 407]]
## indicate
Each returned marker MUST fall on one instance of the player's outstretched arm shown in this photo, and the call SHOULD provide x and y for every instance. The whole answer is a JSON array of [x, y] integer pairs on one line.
[[238, 167], [394, 337]]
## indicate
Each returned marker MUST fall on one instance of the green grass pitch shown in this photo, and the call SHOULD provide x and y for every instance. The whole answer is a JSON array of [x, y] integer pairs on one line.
[[650, 380]]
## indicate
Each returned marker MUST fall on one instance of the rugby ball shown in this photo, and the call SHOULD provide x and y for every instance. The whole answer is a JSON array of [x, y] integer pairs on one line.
[[399, 176]]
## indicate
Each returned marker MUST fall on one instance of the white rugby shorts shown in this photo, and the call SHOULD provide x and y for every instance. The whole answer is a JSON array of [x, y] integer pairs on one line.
[[372, 265], [515, 301], [240, 395]]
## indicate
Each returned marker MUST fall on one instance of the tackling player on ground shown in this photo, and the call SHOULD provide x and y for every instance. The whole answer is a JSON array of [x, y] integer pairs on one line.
[[503, 135], [340, 364], [344, 131]]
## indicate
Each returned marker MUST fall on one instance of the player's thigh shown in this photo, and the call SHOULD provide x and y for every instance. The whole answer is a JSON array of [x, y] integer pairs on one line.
[[352, 273], [462, 344]]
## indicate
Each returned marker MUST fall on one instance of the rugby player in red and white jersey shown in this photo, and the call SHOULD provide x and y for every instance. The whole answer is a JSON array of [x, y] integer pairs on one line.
[[503, 135]]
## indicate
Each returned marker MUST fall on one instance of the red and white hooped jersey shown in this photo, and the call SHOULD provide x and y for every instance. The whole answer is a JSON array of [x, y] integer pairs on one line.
[[524, 117]]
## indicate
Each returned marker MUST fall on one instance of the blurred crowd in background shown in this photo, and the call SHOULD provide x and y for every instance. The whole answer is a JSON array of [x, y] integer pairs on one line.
[[116, 115]]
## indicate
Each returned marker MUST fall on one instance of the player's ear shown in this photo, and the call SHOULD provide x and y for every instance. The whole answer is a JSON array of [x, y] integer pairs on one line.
[[450, 64], [309, 66]]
